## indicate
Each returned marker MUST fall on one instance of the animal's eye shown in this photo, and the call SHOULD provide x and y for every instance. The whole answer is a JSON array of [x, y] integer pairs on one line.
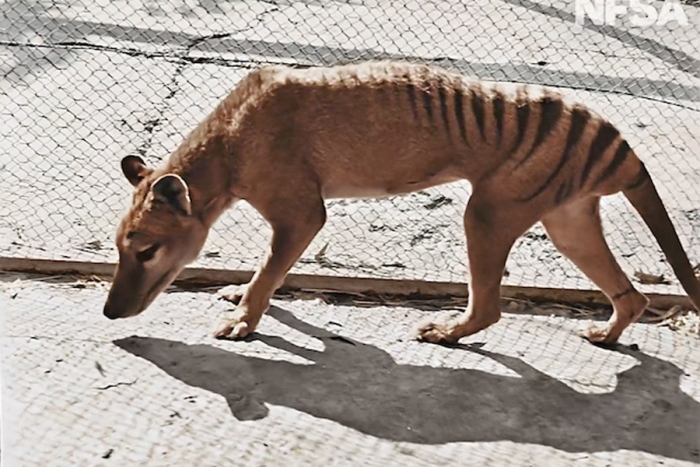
[[147, 254]]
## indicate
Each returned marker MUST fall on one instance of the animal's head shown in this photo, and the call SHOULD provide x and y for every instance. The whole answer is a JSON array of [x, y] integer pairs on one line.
[[156, 239]]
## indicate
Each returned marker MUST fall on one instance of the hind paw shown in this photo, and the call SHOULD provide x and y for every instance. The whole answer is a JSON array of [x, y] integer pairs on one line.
[[436, 333], [233, 293]]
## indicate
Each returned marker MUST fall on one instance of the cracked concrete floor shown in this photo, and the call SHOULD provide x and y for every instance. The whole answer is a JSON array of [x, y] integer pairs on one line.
[[325, 384]]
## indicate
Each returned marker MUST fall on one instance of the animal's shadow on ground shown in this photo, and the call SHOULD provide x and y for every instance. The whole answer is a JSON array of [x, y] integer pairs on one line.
[[362, 387]]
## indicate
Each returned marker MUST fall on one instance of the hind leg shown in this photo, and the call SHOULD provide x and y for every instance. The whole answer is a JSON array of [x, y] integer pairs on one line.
[[576, 231], [491, 228]]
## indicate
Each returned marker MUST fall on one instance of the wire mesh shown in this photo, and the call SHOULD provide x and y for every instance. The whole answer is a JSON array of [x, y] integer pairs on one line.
[[85, 83]]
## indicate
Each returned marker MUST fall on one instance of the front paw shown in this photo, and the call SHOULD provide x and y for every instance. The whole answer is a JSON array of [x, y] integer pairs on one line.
[[238, 326]]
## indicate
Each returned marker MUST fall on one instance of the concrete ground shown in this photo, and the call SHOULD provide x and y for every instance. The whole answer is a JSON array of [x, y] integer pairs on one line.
[[331, 385]]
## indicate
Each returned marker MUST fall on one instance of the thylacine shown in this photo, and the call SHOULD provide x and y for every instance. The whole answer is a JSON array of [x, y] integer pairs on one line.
[[285, 140]]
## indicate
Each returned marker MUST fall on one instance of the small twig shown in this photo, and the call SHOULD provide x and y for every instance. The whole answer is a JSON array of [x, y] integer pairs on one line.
[[122, 383], [670, 314]]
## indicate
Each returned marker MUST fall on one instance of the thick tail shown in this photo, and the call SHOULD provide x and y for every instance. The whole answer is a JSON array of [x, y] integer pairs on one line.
[[646, 201]]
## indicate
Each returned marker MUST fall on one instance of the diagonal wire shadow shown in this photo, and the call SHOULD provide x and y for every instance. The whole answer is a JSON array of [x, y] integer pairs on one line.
[[360, 386], [68, 36]]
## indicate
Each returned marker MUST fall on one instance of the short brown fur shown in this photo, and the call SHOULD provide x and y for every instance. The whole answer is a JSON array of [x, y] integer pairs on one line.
[[285, 140]]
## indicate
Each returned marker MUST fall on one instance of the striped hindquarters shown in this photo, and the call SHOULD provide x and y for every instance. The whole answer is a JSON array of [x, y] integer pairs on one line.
[[560, 149]]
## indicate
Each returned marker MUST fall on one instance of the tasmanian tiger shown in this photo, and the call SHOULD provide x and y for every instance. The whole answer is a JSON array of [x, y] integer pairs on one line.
[[286, 139]]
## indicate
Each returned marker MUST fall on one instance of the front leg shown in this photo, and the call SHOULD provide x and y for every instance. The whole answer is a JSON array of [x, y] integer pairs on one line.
[[292, 232]]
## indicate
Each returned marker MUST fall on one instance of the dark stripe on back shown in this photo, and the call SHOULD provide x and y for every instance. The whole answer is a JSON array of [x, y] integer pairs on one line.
[[579, 119], [603, 139], [620, 156], [443, 107], [550, 115], [498, 111], [412, 99], [478, 109], [428, 103], [523, 114], [459, 113]]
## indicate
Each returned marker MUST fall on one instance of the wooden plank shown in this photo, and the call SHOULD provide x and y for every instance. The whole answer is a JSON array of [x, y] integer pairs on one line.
[[201, 277]]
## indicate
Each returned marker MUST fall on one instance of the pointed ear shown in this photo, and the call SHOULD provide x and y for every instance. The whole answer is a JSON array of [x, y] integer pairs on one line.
[[172, 190], [135, 169]]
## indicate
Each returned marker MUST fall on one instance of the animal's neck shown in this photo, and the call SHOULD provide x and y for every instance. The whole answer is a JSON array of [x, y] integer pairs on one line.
[[202, 161], [212, 209]]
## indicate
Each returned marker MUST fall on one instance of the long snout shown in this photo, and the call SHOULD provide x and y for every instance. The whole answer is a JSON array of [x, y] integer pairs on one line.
[[109, 311], [125, 296], [133, 290], [114, 312], [120, 306]]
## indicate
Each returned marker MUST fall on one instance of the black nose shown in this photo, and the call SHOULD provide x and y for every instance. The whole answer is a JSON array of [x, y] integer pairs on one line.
[[109, 311]]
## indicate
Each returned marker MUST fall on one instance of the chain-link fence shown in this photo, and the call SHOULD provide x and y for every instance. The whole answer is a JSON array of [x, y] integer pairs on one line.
[[87, 82]]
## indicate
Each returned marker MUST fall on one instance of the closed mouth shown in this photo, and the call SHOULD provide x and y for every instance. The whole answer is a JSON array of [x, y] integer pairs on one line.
[[150, 295]]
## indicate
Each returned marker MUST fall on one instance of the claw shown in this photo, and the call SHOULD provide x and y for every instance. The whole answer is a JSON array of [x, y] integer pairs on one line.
[[599, 337], [435, 333], [232, 329]]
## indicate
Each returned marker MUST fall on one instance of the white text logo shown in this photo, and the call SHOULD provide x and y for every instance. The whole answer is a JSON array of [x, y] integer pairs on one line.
[[641, 12]]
